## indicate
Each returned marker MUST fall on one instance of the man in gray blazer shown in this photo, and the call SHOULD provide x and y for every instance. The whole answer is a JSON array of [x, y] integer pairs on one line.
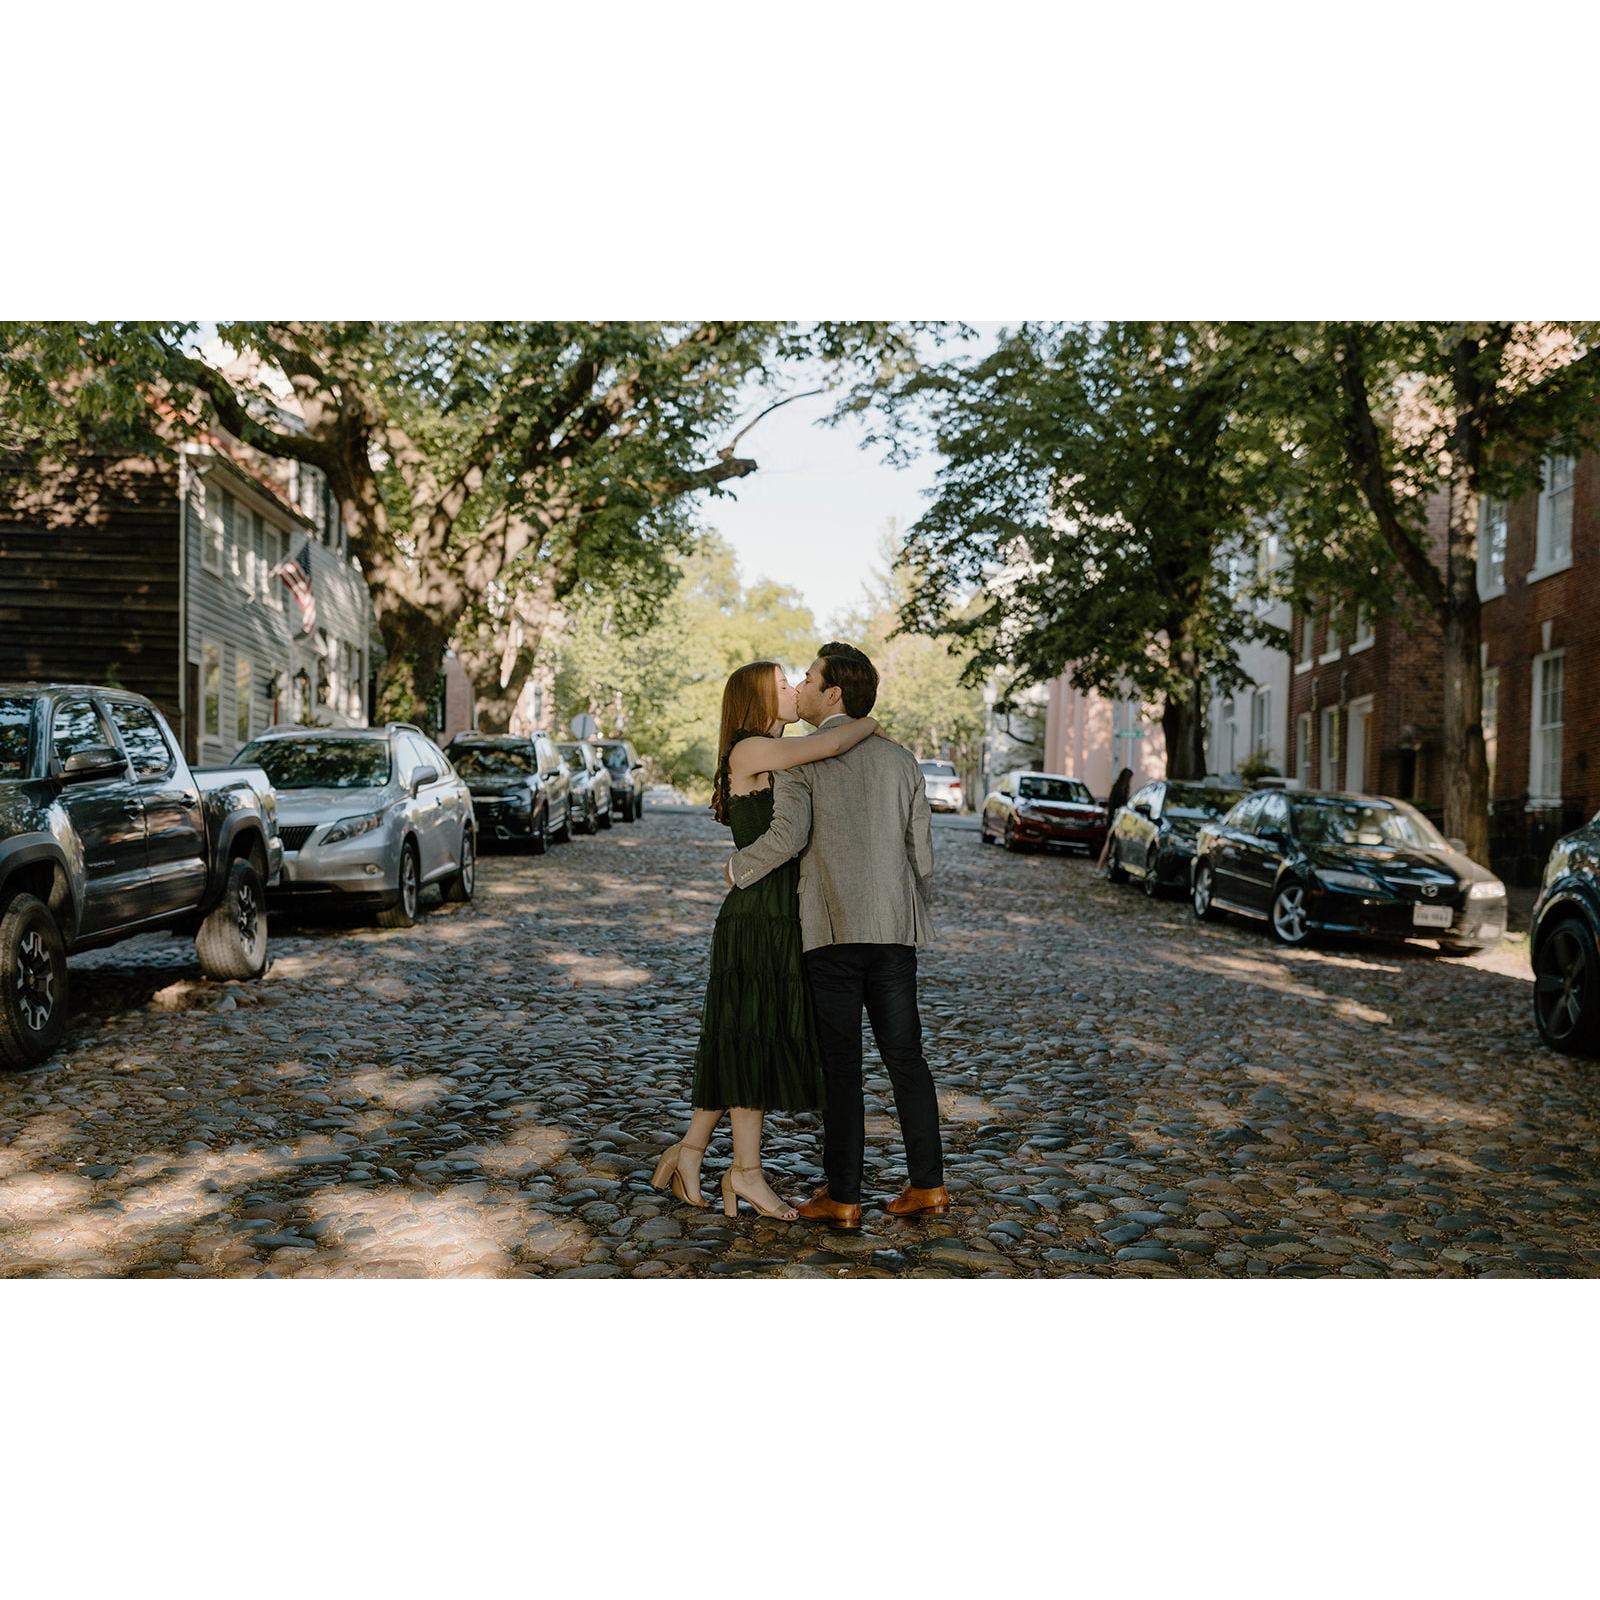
[[862, 829]]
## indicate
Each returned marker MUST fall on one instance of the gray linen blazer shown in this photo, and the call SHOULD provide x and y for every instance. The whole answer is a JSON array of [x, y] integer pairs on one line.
[[862, 829]]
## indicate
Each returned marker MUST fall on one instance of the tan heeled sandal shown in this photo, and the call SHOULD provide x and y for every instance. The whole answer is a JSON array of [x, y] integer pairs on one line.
[[667, 1175], [731, 1198]]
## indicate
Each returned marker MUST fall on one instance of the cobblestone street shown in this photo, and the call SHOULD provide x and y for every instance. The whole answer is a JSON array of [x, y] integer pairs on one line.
[[1125, 1093]]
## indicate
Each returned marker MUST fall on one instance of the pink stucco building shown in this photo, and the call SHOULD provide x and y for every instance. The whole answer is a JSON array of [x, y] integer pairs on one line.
[[1091, 737]]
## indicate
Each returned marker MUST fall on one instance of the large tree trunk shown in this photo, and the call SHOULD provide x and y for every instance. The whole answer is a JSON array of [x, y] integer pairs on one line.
[[500, 653], [415, 638], [1184, 724], [1466, 763]]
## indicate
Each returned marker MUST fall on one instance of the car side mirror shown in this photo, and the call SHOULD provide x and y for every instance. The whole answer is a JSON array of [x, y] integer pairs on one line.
[[96, 762], [422, 777], [1142, 807]]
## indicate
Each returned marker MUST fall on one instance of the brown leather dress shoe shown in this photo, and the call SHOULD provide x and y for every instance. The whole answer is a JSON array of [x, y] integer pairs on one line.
[[822, 1207], [917, 1202]]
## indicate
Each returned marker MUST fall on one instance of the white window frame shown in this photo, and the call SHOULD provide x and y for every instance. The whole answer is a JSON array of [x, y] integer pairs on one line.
[[1308, 623], [1328, 749], [1492, 514], [1555, 514], [244, 705], [1489, 720], [1261, 723], [211, 531], [272, 594], [1365, 633], [1302, 749], [231, 563], [1332, 644], [210, 647], [1545, 737], [1364, 707]]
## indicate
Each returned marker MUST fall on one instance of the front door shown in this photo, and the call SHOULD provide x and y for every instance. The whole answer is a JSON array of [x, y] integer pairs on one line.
[[1262, 855], [174, 825], [1356, 737], [108, 818]]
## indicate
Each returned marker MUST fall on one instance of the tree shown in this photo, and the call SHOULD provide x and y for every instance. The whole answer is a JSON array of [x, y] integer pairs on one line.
[[1383, 418], [458, 452], [659, 679], [925, 700], [1095, 477]]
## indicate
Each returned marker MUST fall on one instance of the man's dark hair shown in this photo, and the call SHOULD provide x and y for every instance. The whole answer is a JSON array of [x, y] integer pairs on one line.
[[850, 672]]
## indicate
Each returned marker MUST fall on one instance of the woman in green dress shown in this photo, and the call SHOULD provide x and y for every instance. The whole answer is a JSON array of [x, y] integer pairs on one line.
[[758, 1041]]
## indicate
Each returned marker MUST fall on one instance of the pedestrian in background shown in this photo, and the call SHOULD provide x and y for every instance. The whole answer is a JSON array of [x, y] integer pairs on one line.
[[1119, 798]]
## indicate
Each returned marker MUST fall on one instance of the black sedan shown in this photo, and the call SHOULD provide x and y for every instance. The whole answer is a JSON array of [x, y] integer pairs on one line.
[[1565, 945], [1037, 809], [1152, 837], [1308, 863]]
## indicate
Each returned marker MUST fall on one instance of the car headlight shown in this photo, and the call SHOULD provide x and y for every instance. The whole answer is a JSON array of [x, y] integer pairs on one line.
[[1358, 881], [353, 827], [1492, 889]]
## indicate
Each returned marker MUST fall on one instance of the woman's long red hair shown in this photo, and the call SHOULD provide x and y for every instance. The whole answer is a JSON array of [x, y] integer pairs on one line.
[[749, 705]]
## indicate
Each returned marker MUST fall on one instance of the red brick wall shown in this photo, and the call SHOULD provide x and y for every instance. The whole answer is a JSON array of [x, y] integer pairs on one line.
[[1403, 672], [1513, 631]]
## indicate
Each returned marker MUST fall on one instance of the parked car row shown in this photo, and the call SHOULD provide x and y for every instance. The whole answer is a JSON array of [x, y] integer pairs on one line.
[[1312, 862], [107, 832]]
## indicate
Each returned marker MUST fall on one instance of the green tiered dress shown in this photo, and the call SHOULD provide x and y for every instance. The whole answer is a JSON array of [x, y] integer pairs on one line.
[[758, 1036]]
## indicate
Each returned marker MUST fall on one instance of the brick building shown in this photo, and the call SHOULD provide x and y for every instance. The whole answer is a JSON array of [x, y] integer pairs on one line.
[[1539, 578], [1366, 697]]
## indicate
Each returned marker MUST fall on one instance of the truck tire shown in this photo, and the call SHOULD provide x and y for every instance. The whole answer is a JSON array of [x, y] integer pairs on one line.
[[232, 941], [603, 820], [458, 886], [33, 982], [403, 913]]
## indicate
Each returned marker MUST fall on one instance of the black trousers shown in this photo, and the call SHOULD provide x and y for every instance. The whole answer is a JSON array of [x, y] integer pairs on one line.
[[883, 979]]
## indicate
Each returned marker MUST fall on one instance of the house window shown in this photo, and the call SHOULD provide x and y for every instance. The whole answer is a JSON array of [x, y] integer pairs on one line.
[[1491, 547], [1553, 545], [1330, 747], [1331, 644], [232, 532], [249, 542], [1362, 634], [210, 533], [1302, 749], [272, 557], [1549, 696], [1307, 624], [1491, 719], [1261, 723], [211, 690], [241, 698]]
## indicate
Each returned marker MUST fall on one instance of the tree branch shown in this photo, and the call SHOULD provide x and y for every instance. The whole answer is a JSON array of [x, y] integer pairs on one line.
[[245, 428], [1366, 456]]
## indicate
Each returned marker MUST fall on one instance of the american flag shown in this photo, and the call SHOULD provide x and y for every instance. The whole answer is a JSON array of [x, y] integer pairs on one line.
[[296, 572]]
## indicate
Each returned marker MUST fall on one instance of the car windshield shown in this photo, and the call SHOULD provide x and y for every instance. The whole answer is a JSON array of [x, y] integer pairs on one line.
[[1053, 789], [616, 757], [1199, 805], [320, 763], [574, 758], [937, 769], [16, 726], [493, 760], [1363, 822]]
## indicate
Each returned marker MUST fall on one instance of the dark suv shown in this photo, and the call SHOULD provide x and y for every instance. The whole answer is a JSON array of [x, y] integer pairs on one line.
[[1565, 945], [627, 777], [106, 832], [521, 787]]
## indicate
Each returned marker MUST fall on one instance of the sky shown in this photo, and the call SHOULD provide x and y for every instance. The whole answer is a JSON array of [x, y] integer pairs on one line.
[[813, 513]]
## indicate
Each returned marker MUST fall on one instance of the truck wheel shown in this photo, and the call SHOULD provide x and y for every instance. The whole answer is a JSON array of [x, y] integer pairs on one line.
[[603, 818], [403, 913], [458, 886], [232, 941], [33, 982], [539, 839]]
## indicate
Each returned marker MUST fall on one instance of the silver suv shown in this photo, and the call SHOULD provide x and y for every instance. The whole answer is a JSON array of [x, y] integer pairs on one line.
[[368, 815]]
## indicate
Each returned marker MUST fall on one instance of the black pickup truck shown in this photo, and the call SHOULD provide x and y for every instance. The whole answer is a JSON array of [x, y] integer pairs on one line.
[[106, 832]]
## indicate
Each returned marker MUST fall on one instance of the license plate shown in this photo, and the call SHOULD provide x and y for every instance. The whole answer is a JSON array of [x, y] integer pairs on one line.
[[1431, 916]]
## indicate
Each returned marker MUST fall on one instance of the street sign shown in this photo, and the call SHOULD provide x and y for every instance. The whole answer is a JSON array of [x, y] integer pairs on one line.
[[584, 726], [1128, 733]]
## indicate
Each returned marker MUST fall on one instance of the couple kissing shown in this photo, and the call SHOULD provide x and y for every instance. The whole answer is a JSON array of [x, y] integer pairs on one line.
[[826, 905]]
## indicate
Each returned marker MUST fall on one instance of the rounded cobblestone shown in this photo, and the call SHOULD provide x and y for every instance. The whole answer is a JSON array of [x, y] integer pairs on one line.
[[1124, 1093]]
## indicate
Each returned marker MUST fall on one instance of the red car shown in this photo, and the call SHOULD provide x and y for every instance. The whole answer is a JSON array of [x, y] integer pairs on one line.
[[1044, 808]]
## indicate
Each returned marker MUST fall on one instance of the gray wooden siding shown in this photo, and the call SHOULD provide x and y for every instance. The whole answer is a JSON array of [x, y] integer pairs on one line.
[[89, 575]]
